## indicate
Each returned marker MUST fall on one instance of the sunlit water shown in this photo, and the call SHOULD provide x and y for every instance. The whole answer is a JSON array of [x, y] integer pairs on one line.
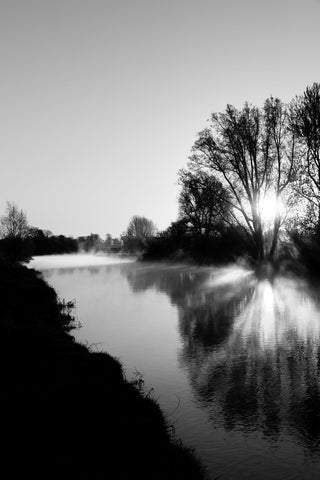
[[234, 361]]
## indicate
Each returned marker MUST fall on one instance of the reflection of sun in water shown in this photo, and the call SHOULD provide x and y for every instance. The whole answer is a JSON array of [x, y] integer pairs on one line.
[[278, 313], [269, 208]]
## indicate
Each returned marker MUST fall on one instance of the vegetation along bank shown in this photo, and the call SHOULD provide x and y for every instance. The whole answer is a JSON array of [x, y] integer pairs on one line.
[[69, 412]]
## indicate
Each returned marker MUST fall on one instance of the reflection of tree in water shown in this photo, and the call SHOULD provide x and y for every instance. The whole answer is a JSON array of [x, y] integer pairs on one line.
[[175, 281], [265, 375], [251, 348], [92, 269], [205, 313]]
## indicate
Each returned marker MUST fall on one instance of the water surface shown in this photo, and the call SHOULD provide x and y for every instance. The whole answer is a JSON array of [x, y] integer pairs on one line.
[[233, 360]]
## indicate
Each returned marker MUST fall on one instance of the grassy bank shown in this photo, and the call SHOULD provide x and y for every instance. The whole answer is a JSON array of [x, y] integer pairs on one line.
[[68, 412]]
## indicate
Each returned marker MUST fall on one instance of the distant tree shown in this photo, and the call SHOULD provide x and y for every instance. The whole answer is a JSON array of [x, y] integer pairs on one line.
[[306, 124], [108, 242], [139, 230], [203, 202], [92, 242], [176, 230], [35, 232], [15, 244], [45, 243], [14, 223], [116, 245], [252, 152]]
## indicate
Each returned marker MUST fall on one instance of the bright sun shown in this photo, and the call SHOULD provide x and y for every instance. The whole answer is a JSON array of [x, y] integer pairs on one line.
[[269, 207]]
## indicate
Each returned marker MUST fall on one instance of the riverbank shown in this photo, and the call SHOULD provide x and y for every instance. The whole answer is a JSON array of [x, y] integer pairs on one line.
[[68, 412]]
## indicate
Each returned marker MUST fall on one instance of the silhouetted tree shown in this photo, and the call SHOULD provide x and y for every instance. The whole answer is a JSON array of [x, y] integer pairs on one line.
[[203, 202], [45, 243], [14, 230], [14, 223], [252, 152], [306, 124], [139, 230]]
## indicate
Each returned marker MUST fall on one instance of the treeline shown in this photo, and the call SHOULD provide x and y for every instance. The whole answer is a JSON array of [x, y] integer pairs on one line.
[[45, 243], [178, 242], [94, 243], [19, 241], [20, 249]]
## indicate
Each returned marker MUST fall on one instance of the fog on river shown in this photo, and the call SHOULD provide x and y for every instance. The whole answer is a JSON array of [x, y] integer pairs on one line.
[[232, 359]]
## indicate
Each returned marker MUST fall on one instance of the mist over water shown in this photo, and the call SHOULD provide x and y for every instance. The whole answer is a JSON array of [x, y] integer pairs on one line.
[[234, 360], [79, 260]]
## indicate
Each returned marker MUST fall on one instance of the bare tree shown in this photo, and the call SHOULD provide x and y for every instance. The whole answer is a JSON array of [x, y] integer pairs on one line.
[[306, 123], [140, 228], [252, 152], [282, 148], [14, 223]]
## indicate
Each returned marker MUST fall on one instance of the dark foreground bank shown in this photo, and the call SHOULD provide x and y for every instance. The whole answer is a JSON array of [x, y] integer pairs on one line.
[[69, 413]]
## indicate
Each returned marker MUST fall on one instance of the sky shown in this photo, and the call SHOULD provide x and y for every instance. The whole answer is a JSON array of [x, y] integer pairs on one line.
[[101, 100]]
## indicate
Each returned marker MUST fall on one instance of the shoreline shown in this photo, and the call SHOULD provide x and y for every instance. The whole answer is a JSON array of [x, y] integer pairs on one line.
[[71, 413]]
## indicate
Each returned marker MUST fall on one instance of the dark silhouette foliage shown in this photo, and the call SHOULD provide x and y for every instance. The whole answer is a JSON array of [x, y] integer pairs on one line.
[[15, 249], [19, 242], [307, 251], [15, 243], [44, 243], [203, 202], [139, 231], [69, 413], [178, 242]]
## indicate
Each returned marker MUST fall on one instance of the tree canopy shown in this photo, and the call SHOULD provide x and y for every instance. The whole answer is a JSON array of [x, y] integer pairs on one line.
[[306, 124], [14, 223], [252, 151], [139, 230], [203, 201]]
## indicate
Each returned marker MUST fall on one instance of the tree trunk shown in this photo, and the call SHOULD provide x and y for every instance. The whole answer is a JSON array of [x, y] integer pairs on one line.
[[276, 228], [259, 245], [258, 233], [318, 224]]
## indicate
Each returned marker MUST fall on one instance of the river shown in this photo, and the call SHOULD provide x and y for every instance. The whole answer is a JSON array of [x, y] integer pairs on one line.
[[233, 360]]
